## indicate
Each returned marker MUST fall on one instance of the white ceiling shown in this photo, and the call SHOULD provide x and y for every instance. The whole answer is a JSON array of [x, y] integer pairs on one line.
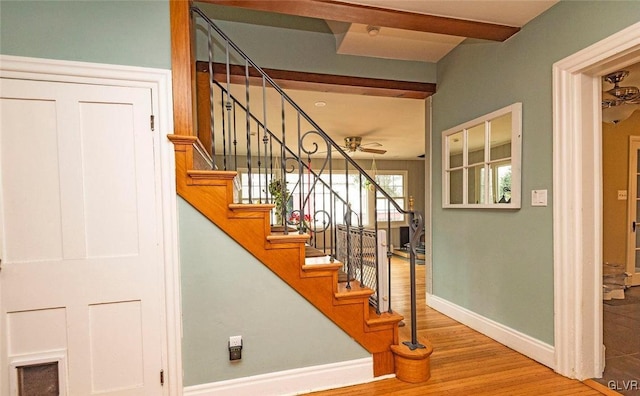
[[397, 125], [392, 124], [353, 39]]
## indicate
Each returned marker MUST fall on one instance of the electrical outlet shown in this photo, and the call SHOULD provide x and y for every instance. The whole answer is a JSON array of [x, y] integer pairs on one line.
[[622, 195], [235, 348], [235, 341]]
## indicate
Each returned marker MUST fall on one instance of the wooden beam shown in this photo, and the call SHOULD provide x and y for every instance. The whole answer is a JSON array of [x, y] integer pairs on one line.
[[323, 82], [182, 70], [355, 13]]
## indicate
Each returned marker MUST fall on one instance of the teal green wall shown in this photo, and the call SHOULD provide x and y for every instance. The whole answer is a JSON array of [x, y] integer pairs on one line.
[[499, 264], [227, 292], [134, 33], [303, 44]]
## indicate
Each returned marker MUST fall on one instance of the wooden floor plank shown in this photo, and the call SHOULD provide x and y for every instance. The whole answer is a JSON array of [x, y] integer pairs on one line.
[[464, 362]]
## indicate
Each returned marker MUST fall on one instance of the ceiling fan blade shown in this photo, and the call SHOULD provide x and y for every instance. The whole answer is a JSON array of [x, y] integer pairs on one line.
[[373, 151]]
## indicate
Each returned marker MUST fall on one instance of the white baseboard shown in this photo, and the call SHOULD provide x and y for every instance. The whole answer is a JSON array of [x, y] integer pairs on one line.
[[292, 382], [526, 345]]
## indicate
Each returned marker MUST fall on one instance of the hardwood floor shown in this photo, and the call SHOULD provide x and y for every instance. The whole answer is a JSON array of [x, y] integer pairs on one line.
[[464, 362]]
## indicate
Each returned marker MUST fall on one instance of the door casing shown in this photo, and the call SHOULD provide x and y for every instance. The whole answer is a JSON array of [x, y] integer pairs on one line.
[[577, 196], [159, 82]]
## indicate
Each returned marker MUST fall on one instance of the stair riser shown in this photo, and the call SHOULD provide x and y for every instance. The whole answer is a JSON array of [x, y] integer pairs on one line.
[[285, 255]]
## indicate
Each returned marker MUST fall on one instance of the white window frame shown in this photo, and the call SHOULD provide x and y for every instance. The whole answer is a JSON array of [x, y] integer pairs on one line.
[[373, 196], [515, 159]]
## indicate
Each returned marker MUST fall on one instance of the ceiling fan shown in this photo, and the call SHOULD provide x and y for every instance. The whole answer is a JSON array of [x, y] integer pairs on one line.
[[619, 102], [354, 143]]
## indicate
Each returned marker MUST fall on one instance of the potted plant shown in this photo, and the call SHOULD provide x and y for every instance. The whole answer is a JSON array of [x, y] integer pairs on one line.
[[279, 196]]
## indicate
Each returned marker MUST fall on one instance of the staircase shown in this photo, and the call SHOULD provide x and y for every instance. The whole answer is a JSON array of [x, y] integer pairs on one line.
[[211, 192], [229, 136]]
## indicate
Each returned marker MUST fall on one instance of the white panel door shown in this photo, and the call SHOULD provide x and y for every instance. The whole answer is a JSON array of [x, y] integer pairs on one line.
[[81, 261], [633, 234]]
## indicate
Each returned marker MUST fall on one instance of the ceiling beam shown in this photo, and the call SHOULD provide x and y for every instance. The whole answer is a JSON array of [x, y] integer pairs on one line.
[[355, 13], [323, 82]]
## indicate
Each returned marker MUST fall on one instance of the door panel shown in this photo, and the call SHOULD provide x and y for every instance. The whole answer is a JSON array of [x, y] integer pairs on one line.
[[633, 234], [81, 255]]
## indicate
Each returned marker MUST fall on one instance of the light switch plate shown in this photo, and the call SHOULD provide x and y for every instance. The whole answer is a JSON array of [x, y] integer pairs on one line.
[[538, 197]]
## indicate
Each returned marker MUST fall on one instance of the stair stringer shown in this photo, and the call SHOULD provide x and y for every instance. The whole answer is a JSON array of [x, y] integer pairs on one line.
[[212, 192]]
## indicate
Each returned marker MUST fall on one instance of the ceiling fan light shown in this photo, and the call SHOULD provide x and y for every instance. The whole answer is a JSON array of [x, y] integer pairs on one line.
[[625, 93], [616, 77], [614, 115]]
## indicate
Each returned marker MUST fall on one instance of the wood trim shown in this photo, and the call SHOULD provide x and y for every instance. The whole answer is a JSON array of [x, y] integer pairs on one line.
[[356, 13], [317, 82], [413, 366], [182, 62], [350, 311], [600, 388], [577, 201]]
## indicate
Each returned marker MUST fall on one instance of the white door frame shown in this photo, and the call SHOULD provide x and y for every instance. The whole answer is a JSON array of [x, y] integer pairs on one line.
[[577, 195], [159, 83], [632, 215]]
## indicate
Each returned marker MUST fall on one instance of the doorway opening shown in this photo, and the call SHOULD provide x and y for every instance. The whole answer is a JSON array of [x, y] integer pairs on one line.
[[577, 183]]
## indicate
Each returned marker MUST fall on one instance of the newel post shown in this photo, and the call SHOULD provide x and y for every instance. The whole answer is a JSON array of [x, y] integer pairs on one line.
[[182, 67]]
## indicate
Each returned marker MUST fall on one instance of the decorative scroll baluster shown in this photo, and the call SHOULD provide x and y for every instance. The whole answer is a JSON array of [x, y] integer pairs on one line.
[[283, 192], [265, 139], [248, 124], [235, 135], [344, 238]]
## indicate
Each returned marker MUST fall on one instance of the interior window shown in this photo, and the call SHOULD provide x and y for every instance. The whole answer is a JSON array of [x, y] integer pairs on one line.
[[481, 161]]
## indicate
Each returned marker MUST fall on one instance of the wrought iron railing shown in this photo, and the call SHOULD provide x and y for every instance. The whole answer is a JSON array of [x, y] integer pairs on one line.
[[283, 157]]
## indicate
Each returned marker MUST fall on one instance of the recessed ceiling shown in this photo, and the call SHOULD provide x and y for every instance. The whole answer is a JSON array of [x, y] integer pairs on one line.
[[353, 38], [398, 125], [393, 124]]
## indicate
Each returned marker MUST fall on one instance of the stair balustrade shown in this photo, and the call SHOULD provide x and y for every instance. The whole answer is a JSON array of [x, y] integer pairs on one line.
[[283, 157]]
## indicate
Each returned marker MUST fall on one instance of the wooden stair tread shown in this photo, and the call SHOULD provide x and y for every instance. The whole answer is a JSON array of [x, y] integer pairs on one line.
[[289, 238], [213, 193], [317, 263], [356, 291], [310, 251], [275, 229], [212, 174], [384, 318], [251, 207]]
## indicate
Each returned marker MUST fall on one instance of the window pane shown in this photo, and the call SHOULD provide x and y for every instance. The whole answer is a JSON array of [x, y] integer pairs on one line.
[[475, 144], [341, 185], [475, 185], [382, 205], [391, 184], [501, 179], [455, 187], [454, 143], [501, 137]]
